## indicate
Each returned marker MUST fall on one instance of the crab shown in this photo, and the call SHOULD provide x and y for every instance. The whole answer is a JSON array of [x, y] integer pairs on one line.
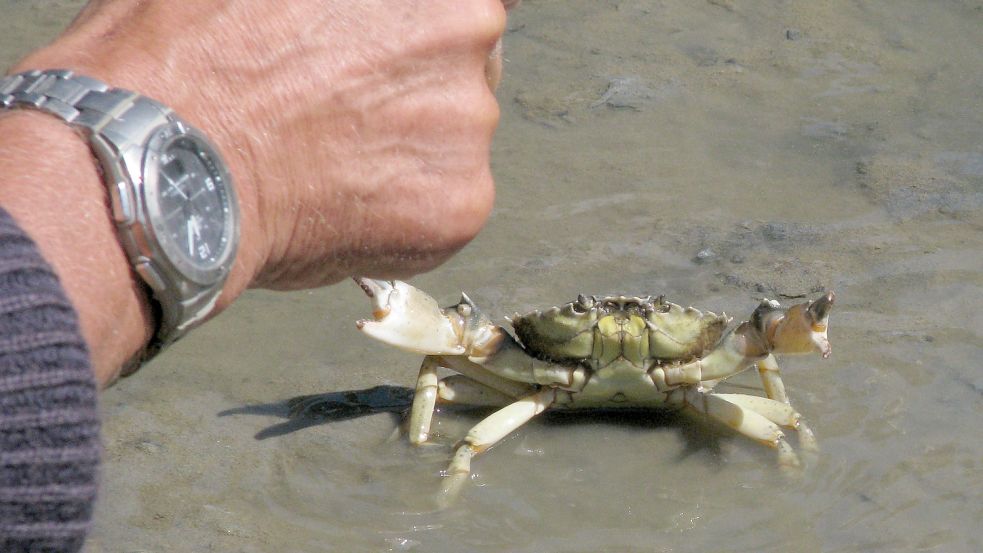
[[598, 352]]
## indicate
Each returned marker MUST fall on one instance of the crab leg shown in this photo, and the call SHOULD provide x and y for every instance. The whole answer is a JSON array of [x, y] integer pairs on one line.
[[424, 401], [777, 412], [462, 390], [511, 362], [771, 379], [745, 421], [479, 373], [487, 433], [728, 358], [495, 389], [776, 407]]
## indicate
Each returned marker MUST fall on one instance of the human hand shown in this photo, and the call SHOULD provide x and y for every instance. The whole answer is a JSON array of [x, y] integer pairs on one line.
[[357, 133]]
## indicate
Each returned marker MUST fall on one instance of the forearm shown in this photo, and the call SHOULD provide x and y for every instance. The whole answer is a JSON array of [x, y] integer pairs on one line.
[[51, 185]]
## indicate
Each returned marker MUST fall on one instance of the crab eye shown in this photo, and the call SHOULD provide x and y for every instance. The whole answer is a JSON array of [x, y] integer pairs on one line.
[[582, 305], [661, 304]]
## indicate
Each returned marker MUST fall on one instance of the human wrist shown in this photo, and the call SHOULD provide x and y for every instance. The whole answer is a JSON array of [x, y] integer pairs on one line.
[[124, 65], [182, 304], [49, 176]]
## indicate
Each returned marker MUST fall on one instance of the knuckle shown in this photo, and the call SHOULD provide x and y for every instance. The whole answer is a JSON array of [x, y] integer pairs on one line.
[[488, 19], [486, 112], [472, 209], [472, 109]]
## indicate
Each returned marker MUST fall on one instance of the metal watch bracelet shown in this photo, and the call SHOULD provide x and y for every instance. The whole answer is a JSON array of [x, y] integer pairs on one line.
[[117, 123]]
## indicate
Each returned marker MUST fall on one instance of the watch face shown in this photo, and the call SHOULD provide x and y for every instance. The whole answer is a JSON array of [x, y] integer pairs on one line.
[[195, 212], [193, 202]]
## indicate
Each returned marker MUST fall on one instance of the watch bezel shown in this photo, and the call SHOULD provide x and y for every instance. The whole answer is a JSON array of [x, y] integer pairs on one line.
[[168, 256]]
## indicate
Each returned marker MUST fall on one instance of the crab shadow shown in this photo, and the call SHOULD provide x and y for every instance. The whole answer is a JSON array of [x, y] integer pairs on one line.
[[699, 436], [311, 410]]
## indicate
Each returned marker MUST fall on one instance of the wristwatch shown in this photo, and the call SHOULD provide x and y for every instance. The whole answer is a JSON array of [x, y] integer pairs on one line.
[[171, 194]]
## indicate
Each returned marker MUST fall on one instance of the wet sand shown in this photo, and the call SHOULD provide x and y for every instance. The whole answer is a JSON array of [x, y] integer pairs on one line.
[[717, 152]]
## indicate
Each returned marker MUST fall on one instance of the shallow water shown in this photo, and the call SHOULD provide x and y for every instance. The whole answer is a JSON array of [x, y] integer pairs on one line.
[[717, 152]]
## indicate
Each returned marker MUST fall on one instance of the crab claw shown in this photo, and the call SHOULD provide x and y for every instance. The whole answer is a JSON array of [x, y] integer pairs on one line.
[[405, 317], [803, 328]]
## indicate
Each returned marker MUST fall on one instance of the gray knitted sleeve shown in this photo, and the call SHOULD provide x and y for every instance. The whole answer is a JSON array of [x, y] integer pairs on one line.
[[49, 426]]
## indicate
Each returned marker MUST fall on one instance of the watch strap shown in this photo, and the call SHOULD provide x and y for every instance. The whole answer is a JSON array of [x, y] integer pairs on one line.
[[92, 105]]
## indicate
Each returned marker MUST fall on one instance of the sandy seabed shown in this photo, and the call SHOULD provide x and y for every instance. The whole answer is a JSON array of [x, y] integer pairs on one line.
[[718, 152]]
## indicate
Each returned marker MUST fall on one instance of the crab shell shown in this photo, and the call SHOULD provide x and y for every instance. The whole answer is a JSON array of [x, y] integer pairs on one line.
[[659, 329]]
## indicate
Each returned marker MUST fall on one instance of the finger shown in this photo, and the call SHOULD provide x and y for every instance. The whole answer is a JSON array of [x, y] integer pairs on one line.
[[493, 69]]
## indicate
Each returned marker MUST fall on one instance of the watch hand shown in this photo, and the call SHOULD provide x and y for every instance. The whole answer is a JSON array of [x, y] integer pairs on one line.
[[191, 237], [194, 229]]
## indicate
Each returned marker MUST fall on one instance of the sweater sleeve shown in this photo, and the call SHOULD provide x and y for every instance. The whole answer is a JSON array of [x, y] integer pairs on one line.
[[49, 426]]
